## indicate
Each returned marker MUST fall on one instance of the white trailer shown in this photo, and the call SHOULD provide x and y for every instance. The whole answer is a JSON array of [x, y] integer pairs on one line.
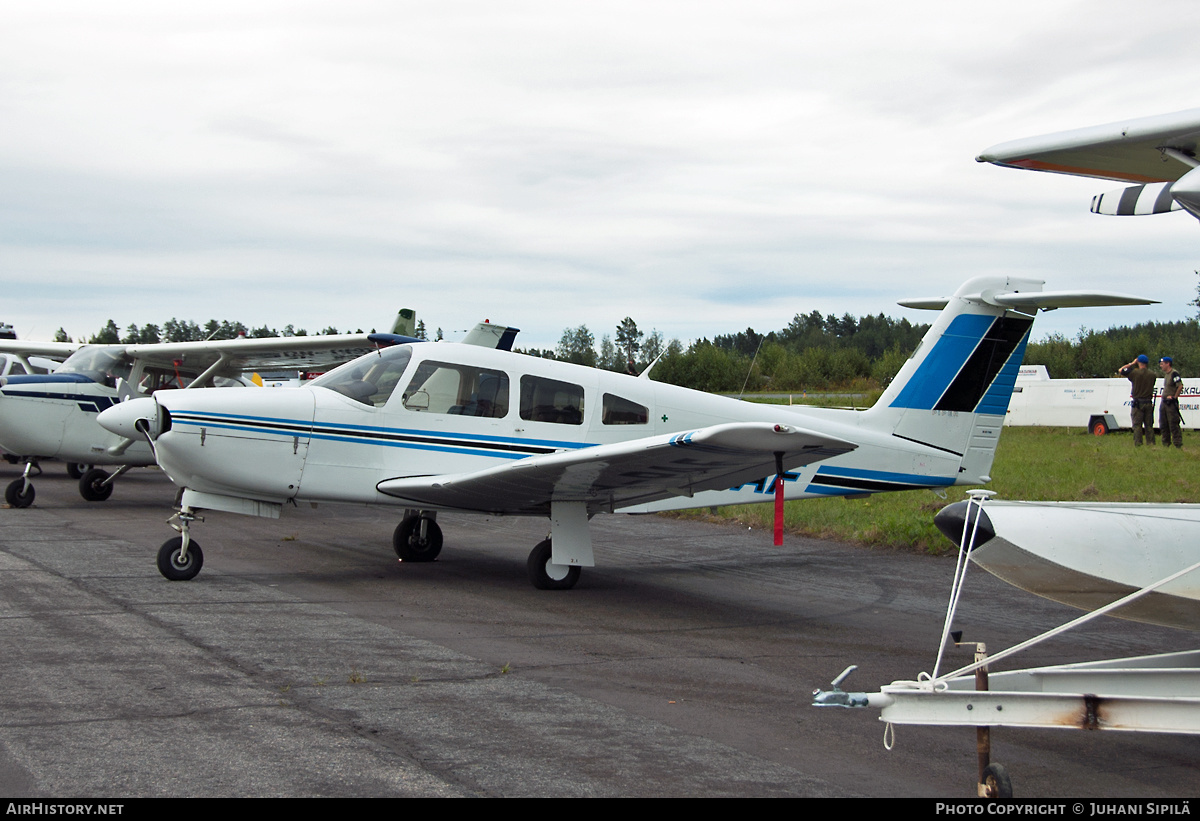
[[1098, 405]]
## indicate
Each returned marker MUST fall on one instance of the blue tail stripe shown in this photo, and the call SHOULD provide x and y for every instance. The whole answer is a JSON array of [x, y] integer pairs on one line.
[[943, 363]]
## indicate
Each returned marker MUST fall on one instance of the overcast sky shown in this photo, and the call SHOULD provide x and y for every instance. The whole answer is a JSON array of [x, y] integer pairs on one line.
[[699, 166]]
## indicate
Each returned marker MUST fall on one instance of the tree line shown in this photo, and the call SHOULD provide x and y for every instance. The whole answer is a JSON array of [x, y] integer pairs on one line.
[[814, 352]]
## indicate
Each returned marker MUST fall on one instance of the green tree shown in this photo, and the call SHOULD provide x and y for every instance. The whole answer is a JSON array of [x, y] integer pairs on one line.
[[629, 342], [111, 335], [61, 336], [577, 345]]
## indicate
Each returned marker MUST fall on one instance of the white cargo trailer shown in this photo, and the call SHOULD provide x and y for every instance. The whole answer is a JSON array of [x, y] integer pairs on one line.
[[1099, 405]]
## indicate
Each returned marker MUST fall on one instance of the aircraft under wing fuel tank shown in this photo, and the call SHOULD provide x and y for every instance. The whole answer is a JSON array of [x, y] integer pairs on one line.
[[449, 427], [1157, 153], [54, 415]]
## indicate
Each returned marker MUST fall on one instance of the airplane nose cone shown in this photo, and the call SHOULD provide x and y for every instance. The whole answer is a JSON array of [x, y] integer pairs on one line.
[[122, 419]]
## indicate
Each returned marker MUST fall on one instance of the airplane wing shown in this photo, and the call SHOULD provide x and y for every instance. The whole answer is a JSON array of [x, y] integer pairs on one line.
[[1158, 152], [54, 350], [237, 355], [1130, 151], [294, 352], [609, 477]]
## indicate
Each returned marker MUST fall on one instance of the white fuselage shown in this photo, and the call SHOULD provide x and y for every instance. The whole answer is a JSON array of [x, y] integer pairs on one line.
[[320, 445], [54, 416]]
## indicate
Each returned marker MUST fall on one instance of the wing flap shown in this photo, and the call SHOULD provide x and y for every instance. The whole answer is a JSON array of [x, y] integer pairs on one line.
[[608, 477]]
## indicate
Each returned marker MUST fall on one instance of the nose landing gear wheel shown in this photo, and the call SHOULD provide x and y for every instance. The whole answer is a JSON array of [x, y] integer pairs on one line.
[[175, 568], [16, 494], [409, 545], [544, 574], [92, 487]]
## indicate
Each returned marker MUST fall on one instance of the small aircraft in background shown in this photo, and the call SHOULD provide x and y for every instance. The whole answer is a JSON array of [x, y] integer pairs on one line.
[[1159, 153], [54, 415], [451, 427]]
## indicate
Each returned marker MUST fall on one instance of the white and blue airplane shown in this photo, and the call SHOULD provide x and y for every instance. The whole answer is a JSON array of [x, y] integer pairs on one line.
[[1160, 154], [44, 416], [457, 428]]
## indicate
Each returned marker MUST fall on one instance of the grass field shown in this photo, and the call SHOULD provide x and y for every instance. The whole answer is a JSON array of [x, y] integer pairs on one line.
[[1040, 464]]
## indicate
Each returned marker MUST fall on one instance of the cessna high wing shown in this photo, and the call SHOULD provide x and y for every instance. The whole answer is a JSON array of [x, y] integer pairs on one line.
[[1087, 554], [1158, 153], [54, 415], [438, 427]]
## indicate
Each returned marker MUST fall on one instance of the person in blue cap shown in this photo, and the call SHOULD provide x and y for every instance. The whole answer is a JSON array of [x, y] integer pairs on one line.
[[1141, 398], [1169, 421]]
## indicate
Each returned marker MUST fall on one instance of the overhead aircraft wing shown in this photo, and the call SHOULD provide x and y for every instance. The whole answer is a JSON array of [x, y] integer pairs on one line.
[[1131, 150], [1159, 152], [609, 477], [294, 352], [1038, 300]]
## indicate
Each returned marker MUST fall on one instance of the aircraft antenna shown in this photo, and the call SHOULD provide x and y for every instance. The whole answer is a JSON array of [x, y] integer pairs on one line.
[[750, 370]]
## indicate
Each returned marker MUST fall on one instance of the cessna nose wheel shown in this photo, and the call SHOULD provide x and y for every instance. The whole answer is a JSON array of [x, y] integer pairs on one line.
[[176, 565]]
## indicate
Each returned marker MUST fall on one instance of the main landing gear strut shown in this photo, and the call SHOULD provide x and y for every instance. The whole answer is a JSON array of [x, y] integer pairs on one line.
[[419, 539]]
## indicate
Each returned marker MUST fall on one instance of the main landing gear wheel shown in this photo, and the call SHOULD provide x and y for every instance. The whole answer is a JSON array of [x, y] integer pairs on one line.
[[92, 487], [409, 545], [996, 783], [17, 495], [175, 568], [1098, 427], [544, 574], [76, 469]]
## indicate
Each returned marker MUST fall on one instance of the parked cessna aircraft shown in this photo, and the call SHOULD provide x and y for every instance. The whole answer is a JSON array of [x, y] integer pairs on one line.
[[1159, 153], [440, 427], [54, 416]]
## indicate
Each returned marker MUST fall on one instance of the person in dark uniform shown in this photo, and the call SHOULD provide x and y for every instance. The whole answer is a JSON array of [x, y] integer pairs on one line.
[[1169, 421], [1141, 395]]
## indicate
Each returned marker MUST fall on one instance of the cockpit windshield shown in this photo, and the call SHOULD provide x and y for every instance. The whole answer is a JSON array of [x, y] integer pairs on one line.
[[101, 364], [370, 379]]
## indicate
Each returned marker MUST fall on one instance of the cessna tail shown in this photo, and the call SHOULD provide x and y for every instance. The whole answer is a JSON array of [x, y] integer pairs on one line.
[[453, 427]]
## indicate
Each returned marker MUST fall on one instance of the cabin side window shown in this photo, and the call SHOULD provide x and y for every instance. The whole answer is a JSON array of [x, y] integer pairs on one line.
[[620, 411], [548, 400], [463, 390]]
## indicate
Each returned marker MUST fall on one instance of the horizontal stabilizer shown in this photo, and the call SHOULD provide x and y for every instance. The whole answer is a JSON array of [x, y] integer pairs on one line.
[[609, 477], [1037, 300]]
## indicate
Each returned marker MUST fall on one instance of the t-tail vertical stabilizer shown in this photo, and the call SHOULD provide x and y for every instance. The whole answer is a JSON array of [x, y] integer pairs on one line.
[[952, 394]]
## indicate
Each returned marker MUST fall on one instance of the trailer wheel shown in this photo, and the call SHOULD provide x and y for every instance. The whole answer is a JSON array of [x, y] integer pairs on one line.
[[1098, 427]]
